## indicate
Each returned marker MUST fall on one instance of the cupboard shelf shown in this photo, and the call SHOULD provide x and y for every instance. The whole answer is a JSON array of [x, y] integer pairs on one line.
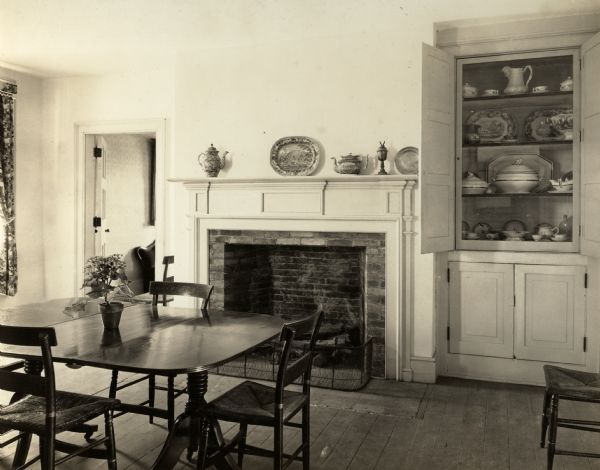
[[523, 195], [512, 98], [520, 143]]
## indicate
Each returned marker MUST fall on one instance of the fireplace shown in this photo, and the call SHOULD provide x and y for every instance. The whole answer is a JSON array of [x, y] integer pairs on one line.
[[295, 274], [234, 222]]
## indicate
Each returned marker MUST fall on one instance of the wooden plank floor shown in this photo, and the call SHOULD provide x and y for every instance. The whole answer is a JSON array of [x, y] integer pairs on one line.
[[455, 424]]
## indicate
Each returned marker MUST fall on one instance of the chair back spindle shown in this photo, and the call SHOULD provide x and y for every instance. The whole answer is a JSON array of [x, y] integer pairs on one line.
[[200, 291], [301, 366]]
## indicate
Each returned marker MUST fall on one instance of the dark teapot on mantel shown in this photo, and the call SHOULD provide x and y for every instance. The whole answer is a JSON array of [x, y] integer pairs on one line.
[[211, 162]]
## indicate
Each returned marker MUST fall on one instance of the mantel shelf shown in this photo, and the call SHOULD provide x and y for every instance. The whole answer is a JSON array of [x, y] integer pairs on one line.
[[298, 179]]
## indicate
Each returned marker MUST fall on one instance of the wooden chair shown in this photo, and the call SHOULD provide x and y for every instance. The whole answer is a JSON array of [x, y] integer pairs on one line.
[[163, 289], [572, 385], [42, 410], [262, 405], [10, 367]]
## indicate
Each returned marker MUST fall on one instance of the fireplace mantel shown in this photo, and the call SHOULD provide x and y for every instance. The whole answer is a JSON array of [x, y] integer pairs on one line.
[[361, 196], [369, 204]]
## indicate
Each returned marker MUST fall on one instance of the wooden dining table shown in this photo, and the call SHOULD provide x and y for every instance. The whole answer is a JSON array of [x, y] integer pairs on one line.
[[151, 340]]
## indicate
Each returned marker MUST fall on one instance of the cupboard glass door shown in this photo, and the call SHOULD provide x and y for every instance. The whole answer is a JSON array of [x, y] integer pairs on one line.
[[517, 152]]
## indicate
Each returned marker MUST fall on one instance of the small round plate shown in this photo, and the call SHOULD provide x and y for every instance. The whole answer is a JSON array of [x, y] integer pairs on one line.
[[407, 161]]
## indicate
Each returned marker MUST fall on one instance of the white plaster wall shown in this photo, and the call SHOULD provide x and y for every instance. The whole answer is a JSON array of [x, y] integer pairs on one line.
[[29, 156], [351, 80], [70, 101]]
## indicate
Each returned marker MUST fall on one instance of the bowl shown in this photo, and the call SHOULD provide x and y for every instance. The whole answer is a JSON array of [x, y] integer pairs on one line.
[[536, 237], [563, 188], [516, 186], [514, 234], [559, 237], [472, 236], [473, 190]]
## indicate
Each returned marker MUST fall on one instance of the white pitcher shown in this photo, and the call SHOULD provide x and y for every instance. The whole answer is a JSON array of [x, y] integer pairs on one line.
[[516, 79]]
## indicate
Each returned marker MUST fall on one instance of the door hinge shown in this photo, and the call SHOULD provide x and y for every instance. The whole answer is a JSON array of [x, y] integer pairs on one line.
[[514, 300], [585, 344], [448, 274], [96, 222], [448, 333], [97, 152], [585, 279]]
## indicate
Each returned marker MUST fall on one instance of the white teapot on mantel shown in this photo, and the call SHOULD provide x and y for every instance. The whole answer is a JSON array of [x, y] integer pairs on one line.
[[211, 162], [516, 79]]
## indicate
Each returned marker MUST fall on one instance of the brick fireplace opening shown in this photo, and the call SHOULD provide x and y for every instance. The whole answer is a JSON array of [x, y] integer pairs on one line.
[[294, 274]]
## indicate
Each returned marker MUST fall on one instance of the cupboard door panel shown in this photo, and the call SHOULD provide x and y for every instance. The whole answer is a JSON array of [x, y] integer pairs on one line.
[[550, 313], [437, 152], [590, 148], [481, 309]]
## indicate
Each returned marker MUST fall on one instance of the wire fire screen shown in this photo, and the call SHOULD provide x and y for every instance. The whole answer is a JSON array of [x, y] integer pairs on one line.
[[336, 366]]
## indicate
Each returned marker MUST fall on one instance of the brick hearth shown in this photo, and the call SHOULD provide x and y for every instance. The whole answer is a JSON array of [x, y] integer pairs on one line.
[[294, 273]]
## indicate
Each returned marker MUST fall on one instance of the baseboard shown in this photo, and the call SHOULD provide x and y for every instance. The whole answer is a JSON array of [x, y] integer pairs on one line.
[[424, 369]]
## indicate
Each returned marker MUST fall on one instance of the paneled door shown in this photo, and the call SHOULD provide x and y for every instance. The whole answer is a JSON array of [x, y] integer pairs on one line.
[[481, 309], [550, 313], [590, 148]]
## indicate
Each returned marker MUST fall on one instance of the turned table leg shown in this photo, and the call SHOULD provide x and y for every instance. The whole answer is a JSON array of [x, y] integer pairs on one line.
[[185, 433]]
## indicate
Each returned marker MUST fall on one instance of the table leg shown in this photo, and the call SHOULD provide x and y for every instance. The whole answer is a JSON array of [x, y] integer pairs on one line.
[[34, 368], [185, 433]]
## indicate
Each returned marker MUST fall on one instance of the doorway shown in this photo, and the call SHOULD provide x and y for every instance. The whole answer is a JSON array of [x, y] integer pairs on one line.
[[121, 194]]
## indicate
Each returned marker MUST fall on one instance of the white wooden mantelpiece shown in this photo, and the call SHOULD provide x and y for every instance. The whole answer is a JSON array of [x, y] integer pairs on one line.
[[376, 204], [358, 196]]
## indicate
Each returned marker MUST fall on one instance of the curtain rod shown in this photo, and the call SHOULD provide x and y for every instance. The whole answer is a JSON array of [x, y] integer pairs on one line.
[[8, 80]]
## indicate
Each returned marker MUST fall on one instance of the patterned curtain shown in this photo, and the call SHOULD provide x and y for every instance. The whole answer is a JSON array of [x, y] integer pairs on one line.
[[8, 247]]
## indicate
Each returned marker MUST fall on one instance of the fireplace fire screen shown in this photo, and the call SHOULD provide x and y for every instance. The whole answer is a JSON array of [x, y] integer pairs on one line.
[[336, 366]]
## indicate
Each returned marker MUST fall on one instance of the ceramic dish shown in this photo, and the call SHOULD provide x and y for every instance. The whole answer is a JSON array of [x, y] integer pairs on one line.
[[550, 124], [514, 235], [535, 161], [564, 188], [407, 161], [295, 156], [514, 226], [494, 126], [482, 229]]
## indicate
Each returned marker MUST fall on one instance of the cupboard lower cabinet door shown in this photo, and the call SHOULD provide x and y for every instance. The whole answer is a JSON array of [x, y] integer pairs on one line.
[[550, 313], [481, 309]]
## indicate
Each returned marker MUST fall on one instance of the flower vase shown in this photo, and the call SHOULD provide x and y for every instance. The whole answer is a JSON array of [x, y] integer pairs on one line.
[[111, 315]]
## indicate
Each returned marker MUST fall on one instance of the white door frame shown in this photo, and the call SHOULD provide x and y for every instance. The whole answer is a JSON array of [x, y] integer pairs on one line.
[[135, 126]]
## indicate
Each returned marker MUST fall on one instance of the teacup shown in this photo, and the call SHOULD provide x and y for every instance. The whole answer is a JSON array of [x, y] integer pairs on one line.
[[559, 237], [491, 92], [472, 236], [541, 89], [536, 238]]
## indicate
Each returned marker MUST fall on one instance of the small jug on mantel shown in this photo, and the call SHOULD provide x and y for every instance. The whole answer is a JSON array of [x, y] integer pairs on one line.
[[211, 162]]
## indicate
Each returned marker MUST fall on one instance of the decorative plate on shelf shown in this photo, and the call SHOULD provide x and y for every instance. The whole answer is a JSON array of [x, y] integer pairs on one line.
[[295, 156], [514, 226], [407, 161], [550, 124], [494, 126]]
